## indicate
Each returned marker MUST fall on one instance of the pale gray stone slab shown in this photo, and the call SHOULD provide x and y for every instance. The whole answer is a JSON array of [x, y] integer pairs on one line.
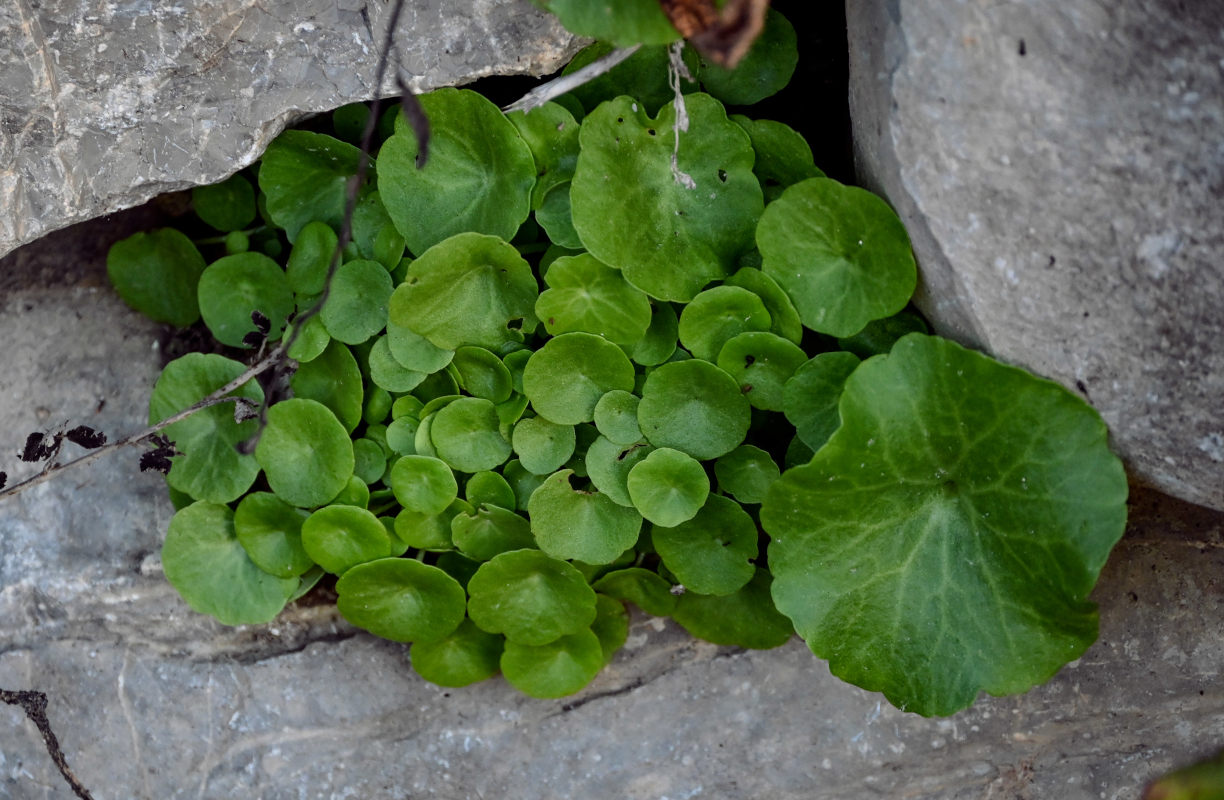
[[104, 104], [153, 701], [1060, 167]]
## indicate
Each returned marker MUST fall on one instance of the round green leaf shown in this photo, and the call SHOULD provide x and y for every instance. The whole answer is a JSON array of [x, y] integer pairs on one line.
[[659, 343], [668, 239], [226, 206], [482, 374], [423, 484], [401, 599], [488, 531], [622, 22], [270, 530], [616, 417], [783, 318], [608, 466], [466, 656], [783, 156], [467, 435], [746, 618], [881, 334], [333, 379], [718, 314], [470, 289], [157, 274], [305, 452], [586, 295], [542, 446], [210, 467], [694, 407], [551, 132], [232, 287], [810, 397], [356, 306], [765, 69], [430, 532], [491, 488], [206, 564], [531, 597], [304, 177], [310, 343], [339, 537], [310, 258], [611, 625], [354, 493], [668, 487], [585, 526], [954, 483], [554, 669], [388, 373], [369, 462], [840, 253], [565, 378], [478, 177], [746, 473], [643, 588], [761, 363], [712, 552], [401, 435]]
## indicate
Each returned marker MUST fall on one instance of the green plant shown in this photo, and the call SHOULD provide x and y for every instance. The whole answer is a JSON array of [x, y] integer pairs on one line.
[[621, 362]]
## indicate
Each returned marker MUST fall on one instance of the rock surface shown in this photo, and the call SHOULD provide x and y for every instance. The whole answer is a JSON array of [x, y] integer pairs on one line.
[[1060, 168], [104, 105], [152, 701]]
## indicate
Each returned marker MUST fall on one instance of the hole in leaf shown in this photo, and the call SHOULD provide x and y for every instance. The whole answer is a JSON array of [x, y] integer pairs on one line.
[[651, 131], [749, 361], [722, 175]]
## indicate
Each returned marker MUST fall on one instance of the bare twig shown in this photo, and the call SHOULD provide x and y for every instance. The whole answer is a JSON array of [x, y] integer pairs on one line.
[[567, 83], [34, 704]]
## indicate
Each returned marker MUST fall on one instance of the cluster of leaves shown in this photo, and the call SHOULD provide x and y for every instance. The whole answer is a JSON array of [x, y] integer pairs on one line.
[[549, 378]]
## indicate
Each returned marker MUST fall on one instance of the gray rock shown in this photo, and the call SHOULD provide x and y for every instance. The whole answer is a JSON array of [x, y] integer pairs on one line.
[[155, 702], [1060, 167], [104, 105]]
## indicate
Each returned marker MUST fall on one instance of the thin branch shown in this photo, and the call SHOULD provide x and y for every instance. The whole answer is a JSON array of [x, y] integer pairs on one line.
[[274, 358], [34, 704], [567, 83]]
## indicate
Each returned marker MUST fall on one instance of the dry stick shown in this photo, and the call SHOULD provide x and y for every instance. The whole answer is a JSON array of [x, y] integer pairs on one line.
[[34, 704], [567, 83]]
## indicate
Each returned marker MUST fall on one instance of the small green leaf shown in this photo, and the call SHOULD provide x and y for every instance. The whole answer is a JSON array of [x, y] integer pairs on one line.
[[387, 372], [469, 289], [430, 532], [555, 215], [466, 656], [340, 537], [668, 239], [482, 374], [764, 71], [210, 468], [643, 588], [305, 452], [554, 669], [232, 287], [488, 531], [783, 318], [543, 446], [531, 597], [565, 378], [369, 461], [616, 417], [746, 618], [310, 344], [467, 435], [783, 157], [611, 625], [333, 379], [551, 132], [608, 466], [712, 552], [954, 482], [718, 314], [157, 274], [746, 473], [584, 526], [401, 599], [226, 206], [356, 306], [423, 484], [587, 295], [478, 177], [270, 530], [310, 258], [304, 177], [810, 397], [840, 253], [491, 488], [659, 342], [413, 351], [761, 363], [668, 487], [694, 407], [207, 565]]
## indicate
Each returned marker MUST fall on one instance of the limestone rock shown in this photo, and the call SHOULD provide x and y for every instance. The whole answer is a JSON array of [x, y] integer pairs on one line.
[[1060, 167], [104, 105]]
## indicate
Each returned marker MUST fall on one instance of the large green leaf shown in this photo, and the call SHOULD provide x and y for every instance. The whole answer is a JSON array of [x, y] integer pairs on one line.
[[156, 273], [478, 177], [531, 597], [305, 452], [234, 287], [401, 599], [305, 177], [585, 526], [668, 239], [945, 539], [587, 295]]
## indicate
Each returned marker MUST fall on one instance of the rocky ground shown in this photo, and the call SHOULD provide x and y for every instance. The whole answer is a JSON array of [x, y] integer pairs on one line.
[[151, 700]]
